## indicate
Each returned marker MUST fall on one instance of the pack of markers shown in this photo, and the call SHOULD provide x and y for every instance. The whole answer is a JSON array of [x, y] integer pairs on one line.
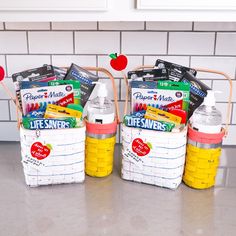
[[154, 134], [52, 130]]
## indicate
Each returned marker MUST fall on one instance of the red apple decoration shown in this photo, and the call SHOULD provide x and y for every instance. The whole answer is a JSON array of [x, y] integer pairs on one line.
[[2, 73], [140, 148], [39, 151], [118, 62]]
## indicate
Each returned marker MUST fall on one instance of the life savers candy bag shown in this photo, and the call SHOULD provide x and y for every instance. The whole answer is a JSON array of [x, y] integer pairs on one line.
[[175, 71], [158, 94], [42, 123], [86, 81], [142, 123], [198, 91]]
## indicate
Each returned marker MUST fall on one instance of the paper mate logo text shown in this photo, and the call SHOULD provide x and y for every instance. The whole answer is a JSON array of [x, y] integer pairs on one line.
[[152, 97], [32, 97]]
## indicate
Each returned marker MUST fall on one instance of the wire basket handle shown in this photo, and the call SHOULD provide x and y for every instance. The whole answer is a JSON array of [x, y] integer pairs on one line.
[[98, 69], [200, 70]]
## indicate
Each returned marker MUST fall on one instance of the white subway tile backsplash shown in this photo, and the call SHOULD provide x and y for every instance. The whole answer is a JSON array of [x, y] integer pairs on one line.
[[231, 177], [223, 86], [144, 42], [220, 177], [121, 25], [226, 44], [223, 108], [97, 42], [2, 62], [234, 114], [13, 42], [215, 26], [168, 26], [9, 131], [13, 111], [181, 60], [191, 43], [207, 82], [227, 157], [27, 25], [17, 63], [51, 42], [133, 62], [74, 25], [1, 26], [8, 82], [224, 64], [76, 59], [4, 114], [231, 138]]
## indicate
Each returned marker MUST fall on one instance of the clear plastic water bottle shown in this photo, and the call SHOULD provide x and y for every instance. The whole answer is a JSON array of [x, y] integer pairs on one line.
[[101, 109], [206, 118]]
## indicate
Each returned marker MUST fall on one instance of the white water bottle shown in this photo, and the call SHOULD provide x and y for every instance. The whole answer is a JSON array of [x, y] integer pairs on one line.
[[101, 109], [206, 118]]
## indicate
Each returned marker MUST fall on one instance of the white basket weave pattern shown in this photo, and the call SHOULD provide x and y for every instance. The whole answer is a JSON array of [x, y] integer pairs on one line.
[[64, 165], [164, 165]]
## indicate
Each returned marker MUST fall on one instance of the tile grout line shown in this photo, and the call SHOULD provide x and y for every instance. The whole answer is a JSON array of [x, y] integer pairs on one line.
[[6, 65], [9, 110], [214, 51], [167, 42], [27, 41], [73, 40]]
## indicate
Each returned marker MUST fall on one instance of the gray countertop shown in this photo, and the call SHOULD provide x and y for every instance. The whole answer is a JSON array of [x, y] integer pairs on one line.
[[108, 206]]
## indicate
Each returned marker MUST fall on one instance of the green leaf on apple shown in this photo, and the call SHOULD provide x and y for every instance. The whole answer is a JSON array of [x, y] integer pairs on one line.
[[113, 55], [149, 145]]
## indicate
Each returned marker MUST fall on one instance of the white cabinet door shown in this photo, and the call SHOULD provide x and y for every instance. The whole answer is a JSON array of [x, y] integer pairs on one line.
[[53, 5], [186, 4]]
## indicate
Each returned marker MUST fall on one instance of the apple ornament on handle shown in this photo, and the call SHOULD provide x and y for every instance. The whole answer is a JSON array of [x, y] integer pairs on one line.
[[118, 63], [2, 75]]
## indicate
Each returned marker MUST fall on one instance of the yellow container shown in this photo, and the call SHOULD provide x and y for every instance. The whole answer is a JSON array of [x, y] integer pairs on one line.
[[99, 156], [201, 166]]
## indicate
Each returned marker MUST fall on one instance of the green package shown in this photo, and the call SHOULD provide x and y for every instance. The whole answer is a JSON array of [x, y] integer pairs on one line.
[[174, 91], [43, 123], [76, 87], [142, 123]]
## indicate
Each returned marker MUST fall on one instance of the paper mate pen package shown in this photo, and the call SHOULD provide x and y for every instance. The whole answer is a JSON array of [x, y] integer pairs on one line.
[[86, 81], [76, 87], [40, 74], [37, 123], [153, 113], [158, 94], [170, 91], [33, 98], [148, 75], [142, 123], [32, 84], [198, 91], [175, 71], [55, 112]]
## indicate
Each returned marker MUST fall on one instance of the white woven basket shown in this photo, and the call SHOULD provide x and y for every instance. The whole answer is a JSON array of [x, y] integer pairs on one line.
[[163, 165], [65, 164]]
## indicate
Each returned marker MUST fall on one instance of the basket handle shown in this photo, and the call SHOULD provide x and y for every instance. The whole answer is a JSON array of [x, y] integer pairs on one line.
[[98, 69], [197, 69]]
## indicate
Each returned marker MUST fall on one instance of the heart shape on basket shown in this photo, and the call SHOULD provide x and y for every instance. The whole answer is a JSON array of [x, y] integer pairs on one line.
[[140, 148], [40, 151]]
